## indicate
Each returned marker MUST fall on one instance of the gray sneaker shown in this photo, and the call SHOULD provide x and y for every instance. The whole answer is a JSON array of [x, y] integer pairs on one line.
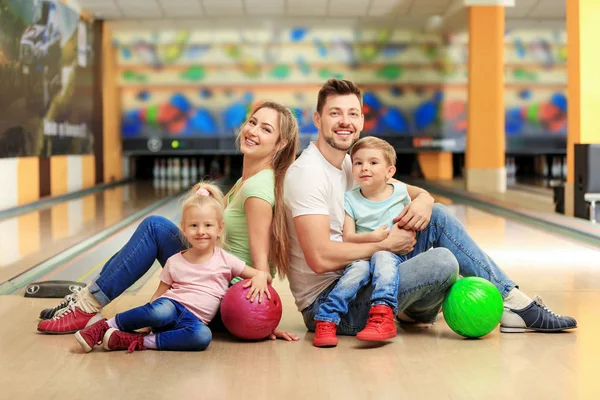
[[535, 317]]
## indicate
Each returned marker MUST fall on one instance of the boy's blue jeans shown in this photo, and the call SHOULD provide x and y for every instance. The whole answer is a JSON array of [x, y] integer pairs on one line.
[[381, 272], [176, 328]]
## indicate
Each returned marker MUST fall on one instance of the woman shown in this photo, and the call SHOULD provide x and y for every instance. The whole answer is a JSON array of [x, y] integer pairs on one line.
[[256, 230]]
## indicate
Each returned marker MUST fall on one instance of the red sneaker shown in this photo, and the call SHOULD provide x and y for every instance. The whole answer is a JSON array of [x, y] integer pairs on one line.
[[380, 325], [69, 321], [115, 339], [325, 334], [91, 336]]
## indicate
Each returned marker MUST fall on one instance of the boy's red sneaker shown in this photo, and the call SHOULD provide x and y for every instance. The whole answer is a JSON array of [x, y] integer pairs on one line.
[[325, 334], [380, 325]]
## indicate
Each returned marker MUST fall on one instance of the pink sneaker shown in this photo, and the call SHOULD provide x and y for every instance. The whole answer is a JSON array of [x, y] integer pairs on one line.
[[115, 339], [91, 336], [70, 321]]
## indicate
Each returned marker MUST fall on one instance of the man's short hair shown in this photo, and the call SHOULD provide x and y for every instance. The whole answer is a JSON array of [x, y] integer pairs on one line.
[[337, 87], [371, 142]]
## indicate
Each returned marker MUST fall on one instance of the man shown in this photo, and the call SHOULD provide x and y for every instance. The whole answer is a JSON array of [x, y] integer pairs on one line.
[[314, 196]]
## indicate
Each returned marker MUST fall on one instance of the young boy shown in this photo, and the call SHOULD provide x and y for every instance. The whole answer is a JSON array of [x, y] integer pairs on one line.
[[370, 209]]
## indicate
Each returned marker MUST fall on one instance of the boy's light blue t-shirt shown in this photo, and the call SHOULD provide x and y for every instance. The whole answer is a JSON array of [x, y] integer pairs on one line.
[[370, 215]]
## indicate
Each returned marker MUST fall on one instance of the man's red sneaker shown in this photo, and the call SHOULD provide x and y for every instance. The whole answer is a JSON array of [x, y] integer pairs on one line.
[[91, 336], [115, 339], [380, 325], [69, 321], [325, 334]]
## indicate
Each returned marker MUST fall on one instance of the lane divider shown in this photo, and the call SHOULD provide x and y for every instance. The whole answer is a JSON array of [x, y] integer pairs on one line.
[[51, 201]]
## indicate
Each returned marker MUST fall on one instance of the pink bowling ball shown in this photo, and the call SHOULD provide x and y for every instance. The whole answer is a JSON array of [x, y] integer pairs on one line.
[[250, 320]]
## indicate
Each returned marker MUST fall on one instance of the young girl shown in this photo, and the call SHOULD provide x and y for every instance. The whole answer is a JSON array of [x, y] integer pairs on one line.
[[193, 282]]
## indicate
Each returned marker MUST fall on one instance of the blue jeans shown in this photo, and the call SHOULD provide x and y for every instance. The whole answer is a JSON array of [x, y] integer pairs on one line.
[[384, 273], [156, 238], [444, 230], [176, 328]]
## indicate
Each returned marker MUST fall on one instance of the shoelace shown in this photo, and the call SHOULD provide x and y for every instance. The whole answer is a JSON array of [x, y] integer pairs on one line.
[[69, 307], [326, 328], [136, 345], [68, 298], [539, 302]]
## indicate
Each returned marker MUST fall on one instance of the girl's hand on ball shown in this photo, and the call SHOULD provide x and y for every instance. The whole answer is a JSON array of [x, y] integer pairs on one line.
[[277, 334], [258, 287]]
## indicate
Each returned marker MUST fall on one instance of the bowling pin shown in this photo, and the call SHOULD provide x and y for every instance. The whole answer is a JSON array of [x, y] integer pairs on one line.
[[156, 169], [170, 168], [185, 169], [176, 169], [201, 169], [194, 171], [163, 169], [545, 167], [556, 168]]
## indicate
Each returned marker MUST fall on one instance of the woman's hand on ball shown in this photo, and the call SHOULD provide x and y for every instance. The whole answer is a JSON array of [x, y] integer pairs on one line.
[[258, 287], [277, 334]]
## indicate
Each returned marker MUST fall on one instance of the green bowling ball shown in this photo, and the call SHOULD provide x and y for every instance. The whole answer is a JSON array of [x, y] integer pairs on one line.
[[473, 307]]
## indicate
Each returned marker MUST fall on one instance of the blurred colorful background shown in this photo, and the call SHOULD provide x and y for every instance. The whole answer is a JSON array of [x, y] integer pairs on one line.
[[202, 84]]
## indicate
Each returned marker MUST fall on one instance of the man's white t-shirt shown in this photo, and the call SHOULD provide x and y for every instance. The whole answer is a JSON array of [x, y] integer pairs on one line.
[[313, 186]]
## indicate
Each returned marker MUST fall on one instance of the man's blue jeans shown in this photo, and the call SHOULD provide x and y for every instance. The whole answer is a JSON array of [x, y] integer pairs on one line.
[[382, 273], [176, 328]]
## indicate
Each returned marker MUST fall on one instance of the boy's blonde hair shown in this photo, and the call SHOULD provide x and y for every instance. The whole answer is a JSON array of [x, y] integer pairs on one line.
[[371, 142], [205, 193]]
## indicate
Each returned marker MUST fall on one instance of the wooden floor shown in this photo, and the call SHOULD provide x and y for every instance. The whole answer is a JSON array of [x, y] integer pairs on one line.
[[420, 364]]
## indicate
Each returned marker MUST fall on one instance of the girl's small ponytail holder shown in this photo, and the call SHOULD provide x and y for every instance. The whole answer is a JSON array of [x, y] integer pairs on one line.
[[202, 192]]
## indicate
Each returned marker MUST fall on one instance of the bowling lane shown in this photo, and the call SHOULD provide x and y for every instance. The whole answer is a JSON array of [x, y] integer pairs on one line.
[[539, 261], [85, 266], [30, 239]]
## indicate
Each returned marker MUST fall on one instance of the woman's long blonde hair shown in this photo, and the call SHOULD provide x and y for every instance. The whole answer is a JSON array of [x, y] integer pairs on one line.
[[288, 134], [211, 196]]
